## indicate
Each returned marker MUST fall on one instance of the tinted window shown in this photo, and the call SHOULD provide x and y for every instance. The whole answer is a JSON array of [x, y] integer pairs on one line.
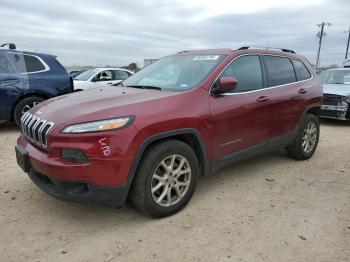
[[4, 64], [301, 71], [247, 71], [280, 70], [33, 64], [121, 75], [26, 63]]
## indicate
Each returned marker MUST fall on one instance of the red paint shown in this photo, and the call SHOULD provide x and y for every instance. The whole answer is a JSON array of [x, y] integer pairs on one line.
[[244, 120]]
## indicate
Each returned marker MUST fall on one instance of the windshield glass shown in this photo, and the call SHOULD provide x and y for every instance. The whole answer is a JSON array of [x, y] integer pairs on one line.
[[340, 77], [85, 75], [181, 72]]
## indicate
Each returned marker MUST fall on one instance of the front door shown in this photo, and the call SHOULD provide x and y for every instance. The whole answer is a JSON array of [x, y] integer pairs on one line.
[[239, 120]]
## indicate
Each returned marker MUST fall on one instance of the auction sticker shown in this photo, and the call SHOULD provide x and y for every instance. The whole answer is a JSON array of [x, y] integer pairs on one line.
[[206, 57]]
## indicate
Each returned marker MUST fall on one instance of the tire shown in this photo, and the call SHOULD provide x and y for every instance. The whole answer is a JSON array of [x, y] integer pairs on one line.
[[299, 150], [23, 106], [155, 159]]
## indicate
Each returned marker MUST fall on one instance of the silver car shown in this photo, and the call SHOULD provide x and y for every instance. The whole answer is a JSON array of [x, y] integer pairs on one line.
[[336, 93]]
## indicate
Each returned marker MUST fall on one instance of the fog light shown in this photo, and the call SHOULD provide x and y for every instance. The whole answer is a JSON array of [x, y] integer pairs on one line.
[[74, 156]]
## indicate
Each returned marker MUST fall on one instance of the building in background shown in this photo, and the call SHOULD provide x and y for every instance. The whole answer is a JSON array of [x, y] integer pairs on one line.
[[147, 62]]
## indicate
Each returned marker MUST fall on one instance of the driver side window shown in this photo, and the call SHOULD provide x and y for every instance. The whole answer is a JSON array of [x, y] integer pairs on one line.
[[247, 71], [103, 76]]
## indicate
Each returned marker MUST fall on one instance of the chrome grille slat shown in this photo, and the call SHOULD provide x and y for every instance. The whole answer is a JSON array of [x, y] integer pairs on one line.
[[35, 129]]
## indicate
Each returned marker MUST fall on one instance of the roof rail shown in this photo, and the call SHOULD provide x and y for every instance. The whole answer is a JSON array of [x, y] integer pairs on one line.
[[267, 48], [11, 45]]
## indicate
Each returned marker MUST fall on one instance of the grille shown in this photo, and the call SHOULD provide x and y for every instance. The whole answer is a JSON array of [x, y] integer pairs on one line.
[[332, 100], [35, 129]]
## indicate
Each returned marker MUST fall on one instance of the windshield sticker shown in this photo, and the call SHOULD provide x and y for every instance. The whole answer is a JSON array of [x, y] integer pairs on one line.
[[206, 57], [184, 85]]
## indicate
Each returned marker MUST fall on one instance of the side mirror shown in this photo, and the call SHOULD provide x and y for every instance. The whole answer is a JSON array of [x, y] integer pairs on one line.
[[224, 84]]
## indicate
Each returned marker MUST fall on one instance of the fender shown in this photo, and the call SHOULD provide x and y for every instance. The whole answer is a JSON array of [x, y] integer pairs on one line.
[[163, 135]]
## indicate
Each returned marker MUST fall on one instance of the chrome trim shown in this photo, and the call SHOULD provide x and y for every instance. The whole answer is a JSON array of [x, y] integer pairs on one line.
[[231, 142], [33, 127], [262, 89]]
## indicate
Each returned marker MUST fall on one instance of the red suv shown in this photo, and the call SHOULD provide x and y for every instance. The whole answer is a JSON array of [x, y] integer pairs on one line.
[[186, 115]]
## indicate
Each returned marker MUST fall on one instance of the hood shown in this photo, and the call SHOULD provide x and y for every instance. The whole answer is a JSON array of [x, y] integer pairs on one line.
[[97, 104], [335, 89]]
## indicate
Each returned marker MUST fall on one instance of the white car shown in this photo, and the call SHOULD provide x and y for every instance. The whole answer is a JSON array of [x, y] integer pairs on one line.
[[100, 77]]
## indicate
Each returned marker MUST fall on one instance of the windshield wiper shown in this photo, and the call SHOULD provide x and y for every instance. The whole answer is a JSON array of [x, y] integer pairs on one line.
[[145, 87]]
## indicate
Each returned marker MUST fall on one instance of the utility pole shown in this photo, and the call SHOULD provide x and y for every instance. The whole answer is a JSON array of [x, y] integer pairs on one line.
[[347, 46], [320, 35]]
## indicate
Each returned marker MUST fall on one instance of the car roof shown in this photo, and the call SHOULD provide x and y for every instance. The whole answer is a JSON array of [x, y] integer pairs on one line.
[[228, 51], [109, 68], [25, 52]]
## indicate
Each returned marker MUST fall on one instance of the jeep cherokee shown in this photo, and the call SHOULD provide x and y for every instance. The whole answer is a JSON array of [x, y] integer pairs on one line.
[[186, 115]]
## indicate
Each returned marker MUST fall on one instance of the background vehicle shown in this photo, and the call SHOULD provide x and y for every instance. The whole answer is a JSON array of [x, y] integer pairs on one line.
[[28, 78], [346, 63], [186, 115], [75, 73], [336, 93], [100, 77]]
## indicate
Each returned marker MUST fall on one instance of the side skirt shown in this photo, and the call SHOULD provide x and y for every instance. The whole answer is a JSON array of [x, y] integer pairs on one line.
[[253, 151]]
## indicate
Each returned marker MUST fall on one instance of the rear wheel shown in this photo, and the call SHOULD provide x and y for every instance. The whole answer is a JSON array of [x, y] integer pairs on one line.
[[306, 141], [166, 179], [23, 106]]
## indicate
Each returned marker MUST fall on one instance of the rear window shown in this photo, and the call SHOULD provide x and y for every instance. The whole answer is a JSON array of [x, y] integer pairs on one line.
[[301, 70], [26, 63], [280, 70]]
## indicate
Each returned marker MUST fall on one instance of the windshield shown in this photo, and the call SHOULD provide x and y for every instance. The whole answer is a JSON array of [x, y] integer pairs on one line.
[[85, 75], [181, 72], [340, 77]]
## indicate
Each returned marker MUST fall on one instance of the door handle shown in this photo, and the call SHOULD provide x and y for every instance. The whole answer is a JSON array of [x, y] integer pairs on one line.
[[263, 99], [110, 83], [302, 91]]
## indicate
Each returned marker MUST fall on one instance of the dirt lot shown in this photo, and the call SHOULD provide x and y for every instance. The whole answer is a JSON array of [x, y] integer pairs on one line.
[[267, 209]]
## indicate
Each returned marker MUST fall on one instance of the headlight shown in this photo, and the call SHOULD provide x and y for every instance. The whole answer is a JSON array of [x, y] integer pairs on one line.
[[347, 99], [99, 126]]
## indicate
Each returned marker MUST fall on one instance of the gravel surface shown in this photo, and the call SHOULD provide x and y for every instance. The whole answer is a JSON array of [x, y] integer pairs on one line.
[[270, 208]]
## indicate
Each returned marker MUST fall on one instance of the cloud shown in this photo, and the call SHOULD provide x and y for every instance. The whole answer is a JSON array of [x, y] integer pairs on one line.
[[121, 32]]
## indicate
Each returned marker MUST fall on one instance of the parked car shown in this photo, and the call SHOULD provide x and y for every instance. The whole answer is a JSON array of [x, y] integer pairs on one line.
[[346, 63], [75, 73], [336, 93], [186, 115], [100, 77], [28, 78]]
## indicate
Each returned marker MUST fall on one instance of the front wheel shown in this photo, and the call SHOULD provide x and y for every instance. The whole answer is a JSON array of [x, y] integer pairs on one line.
[[306, 141], [166, 179]]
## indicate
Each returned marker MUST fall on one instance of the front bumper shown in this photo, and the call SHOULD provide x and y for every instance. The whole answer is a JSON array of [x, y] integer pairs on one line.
[[80, 191], [102, 180], [341, 112]]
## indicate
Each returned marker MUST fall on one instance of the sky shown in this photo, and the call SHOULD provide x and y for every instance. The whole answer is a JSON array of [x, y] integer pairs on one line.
[[120, 32]]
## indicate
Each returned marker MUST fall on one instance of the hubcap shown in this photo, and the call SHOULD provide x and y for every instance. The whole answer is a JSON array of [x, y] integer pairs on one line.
[[29, 106], [171, 180], [309, 137]]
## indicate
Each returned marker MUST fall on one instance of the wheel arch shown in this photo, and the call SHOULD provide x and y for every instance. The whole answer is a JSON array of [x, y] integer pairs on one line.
[[26, 95], [189, 136]]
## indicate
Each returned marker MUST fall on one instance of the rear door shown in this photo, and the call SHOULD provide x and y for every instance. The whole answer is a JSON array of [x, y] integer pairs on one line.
[[287, 97], [240, 118]]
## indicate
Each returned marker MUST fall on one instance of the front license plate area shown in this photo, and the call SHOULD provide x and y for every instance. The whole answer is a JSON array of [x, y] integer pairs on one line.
[[22, 158]]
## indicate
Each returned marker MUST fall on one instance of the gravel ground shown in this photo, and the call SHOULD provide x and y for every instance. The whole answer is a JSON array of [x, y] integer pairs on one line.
[[270, 208]]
